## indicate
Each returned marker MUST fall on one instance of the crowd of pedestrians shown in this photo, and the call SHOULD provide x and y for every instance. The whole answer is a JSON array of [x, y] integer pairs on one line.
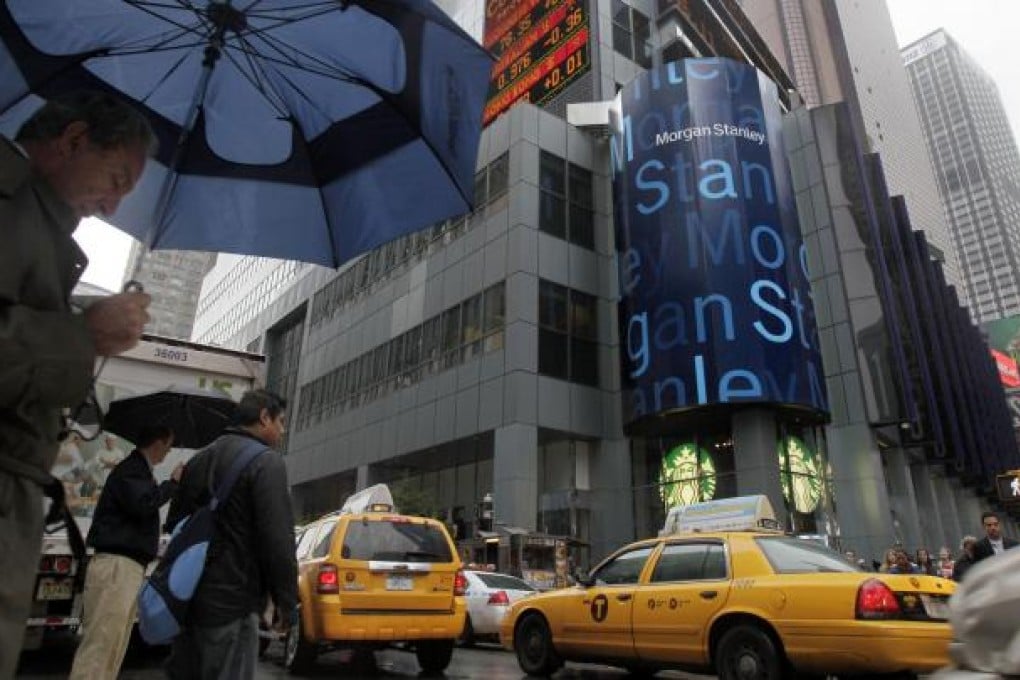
[[897, 560]]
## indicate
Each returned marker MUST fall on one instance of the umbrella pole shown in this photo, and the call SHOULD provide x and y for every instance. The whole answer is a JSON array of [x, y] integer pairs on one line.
[[213, 52]]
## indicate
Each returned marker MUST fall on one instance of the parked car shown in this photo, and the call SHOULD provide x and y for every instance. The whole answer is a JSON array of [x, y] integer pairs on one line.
[[489, 596]]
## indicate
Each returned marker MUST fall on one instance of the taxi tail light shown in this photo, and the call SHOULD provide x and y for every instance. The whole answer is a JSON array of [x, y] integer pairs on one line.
[[46, 564], [62, 565], [460, 584], [328, 579], [875, 600], [499, 598]]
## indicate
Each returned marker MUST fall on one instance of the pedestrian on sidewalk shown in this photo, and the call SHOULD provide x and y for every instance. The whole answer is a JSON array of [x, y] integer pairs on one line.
[[993, 543], [125, 536], [251, 555], [78, 155]]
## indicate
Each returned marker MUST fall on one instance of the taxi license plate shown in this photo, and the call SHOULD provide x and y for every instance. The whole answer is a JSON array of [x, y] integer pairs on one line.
[[394, 582], [54, 589], [936, 608]]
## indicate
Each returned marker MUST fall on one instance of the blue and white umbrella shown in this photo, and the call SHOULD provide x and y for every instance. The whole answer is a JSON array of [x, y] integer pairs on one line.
[[310, 130]]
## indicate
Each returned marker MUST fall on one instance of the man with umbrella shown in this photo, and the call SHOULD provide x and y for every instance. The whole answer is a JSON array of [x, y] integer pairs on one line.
[[78, 155], [125, 535]]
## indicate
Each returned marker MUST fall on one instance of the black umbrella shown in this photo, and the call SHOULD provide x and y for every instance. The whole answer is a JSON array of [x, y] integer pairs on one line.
[[196, 416]]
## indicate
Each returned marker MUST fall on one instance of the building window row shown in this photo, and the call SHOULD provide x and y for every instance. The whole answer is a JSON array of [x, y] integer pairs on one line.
[[566, 201], [632, 34], [462, 332], [491, 183], [567, 334]]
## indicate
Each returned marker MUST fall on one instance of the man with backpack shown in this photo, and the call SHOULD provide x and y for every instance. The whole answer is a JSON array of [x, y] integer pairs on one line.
[[125, 536], [251, 553]]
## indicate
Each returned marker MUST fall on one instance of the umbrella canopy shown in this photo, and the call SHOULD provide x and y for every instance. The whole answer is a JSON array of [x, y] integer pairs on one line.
[[313, 130], [196, 416]]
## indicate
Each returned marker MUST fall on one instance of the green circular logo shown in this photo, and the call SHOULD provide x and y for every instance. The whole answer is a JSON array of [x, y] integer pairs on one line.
[[802, 485], [687, 476]]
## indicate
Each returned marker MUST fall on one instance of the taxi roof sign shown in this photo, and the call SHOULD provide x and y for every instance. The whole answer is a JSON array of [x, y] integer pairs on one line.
[[742, 513], [375, 498]]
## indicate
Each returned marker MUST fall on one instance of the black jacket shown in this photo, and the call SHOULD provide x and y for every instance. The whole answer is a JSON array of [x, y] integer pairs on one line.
[[126, 520], [252, 553], [983, 548]]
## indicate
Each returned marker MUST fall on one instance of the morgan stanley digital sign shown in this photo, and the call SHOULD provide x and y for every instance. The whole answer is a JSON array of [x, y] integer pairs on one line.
[[715, 302]]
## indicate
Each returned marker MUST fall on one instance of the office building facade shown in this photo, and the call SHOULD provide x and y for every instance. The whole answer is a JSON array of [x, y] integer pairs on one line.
[[977, 163], [846, 51], [481, 357], [174, 280]]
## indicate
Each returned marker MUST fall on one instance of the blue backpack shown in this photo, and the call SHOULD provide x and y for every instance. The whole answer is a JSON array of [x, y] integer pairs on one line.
[[166, 593]]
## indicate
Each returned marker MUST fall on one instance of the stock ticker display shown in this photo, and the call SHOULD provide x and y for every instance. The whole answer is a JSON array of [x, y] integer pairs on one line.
[[541, 46]]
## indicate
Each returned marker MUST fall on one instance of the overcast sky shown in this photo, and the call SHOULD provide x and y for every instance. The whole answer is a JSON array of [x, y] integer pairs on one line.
[[987, 29]]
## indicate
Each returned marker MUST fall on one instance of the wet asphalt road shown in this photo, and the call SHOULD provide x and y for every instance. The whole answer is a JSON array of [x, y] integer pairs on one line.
[[484, 661]]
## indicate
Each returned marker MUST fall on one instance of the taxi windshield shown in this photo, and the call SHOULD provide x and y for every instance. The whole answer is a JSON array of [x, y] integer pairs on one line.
[[789, 555], [399, 541]]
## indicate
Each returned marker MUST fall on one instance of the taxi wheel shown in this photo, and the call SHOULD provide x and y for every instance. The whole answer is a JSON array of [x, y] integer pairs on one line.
[[299, 654], [747, 653], [534, 647], [434, 655]]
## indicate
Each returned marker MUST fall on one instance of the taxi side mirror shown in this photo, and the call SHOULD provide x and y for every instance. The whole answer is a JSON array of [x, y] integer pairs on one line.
[[583, 578]]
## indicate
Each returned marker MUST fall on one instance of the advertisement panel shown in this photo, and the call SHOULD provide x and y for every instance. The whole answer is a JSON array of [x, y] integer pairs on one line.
[[541, 46], [1004, 343], [715, 303]]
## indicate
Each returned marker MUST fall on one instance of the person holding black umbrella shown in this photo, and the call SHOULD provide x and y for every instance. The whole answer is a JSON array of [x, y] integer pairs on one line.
[[125, 535], [78, 155]]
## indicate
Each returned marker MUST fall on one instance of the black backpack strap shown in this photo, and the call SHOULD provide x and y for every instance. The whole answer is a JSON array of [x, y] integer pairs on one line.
[[251, 450]]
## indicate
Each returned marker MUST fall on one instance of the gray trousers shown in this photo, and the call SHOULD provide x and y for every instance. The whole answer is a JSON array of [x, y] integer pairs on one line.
[[21, 520], [228, 652]]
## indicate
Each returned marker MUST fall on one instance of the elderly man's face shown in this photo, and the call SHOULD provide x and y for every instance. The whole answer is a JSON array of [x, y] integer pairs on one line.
[[992, 528], [90, 179]]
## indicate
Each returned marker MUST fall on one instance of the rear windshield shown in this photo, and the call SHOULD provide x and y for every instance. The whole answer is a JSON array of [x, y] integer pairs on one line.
[[398, 541], [789, 555], [504, 582]]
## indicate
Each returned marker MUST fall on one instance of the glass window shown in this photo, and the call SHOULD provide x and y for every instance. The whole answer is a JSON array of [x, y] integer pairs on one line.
[[495, 308], [325, 538], [584, 362], [552, 306], [480, 193], [304, 542], [625, 568], [552, 354], [499, 174], [789, 555], [430, 341], [580, 186], [472, 319], [396, 541], [551, 217], [690, 562], [582, 227], [551, 176], [504, 582], [583, 320]]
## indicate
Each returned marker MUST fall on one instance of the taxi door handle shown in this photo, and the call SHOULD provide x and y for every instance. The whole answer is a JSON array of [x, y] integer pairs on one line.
[[624, 597], [709, 594]]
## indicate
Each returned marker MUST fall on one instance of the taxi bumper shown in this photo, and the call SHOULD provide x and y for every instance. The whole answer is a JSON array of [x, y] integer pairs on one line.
[[868, 646], [335, 625]]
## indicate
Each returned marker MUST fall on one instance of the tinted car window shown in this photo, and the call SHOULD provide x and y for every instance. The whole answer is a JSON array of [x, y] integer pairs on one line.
[[624, 568], [325, 539], [690, 562], [503, 582], [305, 542], [789, 555], [400, 541]]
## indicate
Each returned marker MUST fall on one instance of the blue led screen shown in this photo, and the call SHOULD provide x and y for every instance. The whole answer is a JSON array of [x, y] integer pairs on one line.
[[715, 303]]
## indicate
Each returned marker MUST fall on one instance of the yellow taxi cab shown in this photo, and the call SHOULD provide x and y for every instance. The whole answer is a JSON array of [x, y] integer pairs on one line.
[[723, 590], [369, 577]]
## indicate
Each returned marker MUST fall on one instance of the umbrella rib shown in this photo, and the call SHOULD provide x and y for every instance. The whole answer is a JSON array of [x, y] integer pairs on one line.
[[288, 60], [325, 208], [255, 82], [166, 76], [273, 13], [140, 5]]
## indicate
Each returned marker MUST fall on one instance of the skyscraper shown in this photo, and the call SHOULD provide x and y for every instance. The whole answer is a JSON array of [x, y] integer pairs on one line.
[[847, 51], [174, 279], [977, 165]]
